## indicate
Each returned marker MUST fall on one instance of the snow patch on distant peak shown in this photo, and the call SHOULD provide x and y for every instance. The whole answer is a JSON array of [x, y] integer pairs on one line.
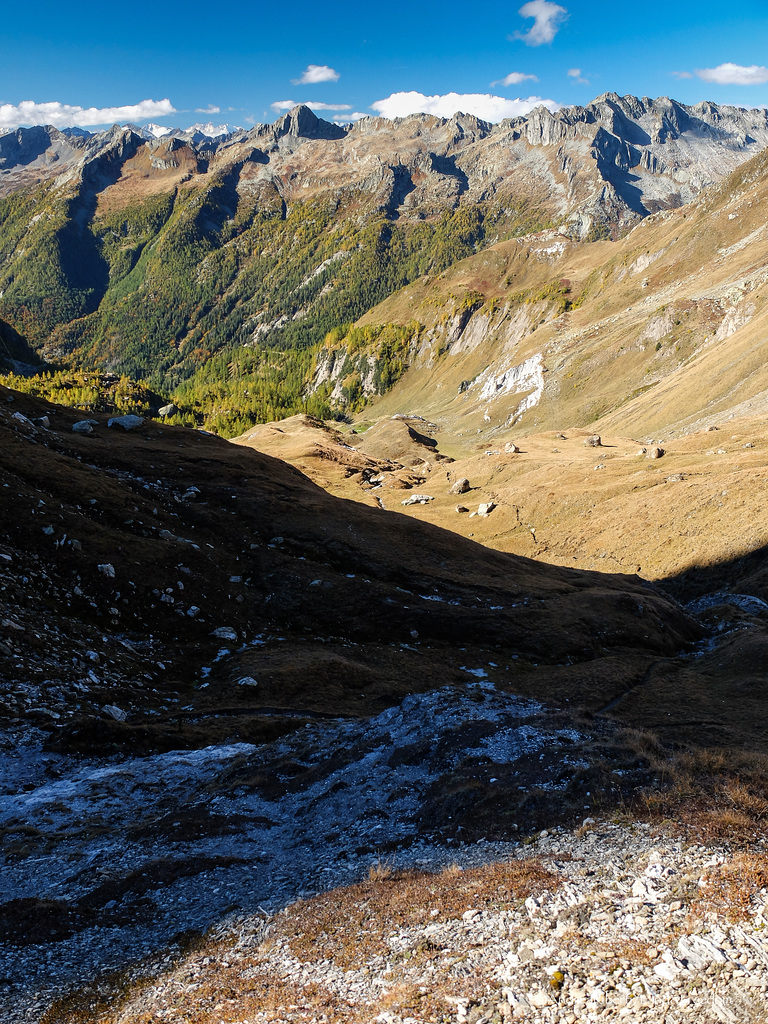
[[148, 131], [213, 131], [157, 131]]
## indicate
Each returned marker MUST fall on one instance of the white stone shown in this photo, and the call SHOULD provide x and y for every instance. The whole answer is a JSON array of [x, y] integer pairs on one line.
[[539, 999], [225, 633]]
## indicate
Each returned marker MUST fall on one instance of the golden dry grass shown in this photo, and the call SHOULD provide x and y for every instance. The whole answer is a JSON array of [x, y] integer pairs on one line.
[[348, 929], [730, 889], [717, 795], [666, 325]]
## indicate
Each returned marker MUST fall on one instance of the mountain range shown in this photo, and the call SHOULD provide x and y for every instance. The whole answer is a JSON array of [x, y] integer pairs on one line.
[[172, 259]]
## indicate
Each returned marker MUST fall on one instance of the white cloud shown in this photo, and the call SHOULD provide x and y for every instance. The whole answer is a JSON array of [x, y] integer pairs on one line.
[[64, 115], [350, 117], [576, 74], [312, 104], [483, 105], [329, 106], [208, 110], [548, 17], [734, 74], [515, 78], [315, 73], [681, 74]]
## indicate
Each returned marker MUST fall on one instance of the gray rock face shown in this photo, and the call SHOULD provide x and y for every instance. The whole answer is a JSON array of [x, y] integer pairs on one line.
[[28, 146], [595, 441], [303, 123]]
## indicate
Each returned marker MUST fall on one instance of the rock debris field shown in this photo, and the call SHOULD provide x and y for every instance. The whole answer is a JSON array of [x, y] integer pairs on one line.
[[610, 922], [321, 796], [110, 858]]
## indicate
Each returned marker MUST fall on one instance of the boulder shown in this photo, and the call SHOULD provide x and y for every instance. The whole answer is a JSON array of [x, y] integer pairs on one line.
[[539, 999], [595, 441], [167, 410], [84, 426], [125, 422], [460, 487], [511, 448], [655, 453], [225, 633], [418, 499], [486, 508], [114, 712], [20, 420]]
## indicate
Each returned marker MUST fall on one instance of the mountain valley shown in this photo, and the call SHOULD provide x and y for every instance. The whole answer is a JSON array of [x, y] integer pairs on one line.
[[384, 608]]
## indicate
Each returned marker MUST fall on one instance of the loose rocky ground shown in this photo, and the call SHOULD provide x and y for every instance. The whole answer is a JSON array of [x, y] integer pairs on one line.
[[612, 922], [106, 859]]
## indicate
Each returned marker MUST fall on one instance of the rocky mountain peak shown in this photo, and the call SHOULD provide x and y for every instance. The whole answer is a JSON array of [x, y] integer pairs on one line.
[[303, 123], [24, 145]]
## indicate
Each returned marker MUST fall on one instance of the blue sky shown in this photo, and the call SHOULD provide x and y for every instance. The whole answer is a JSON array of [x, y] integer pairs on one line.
[[94, 63]]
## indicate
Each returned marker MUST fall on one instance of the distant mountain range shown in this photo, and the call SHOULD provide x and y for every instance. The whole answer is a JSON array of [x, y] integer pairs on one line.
[[195, 131], [646, 153], [150, 131], [157, 256]]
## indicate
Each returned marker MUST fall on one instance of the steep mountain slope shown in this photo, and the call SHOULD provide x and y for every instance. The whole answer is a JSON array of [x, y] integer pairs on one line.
[[199, 532], [221, 687], [194, 626], [149, 256], [661, 332], [15, 354]]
